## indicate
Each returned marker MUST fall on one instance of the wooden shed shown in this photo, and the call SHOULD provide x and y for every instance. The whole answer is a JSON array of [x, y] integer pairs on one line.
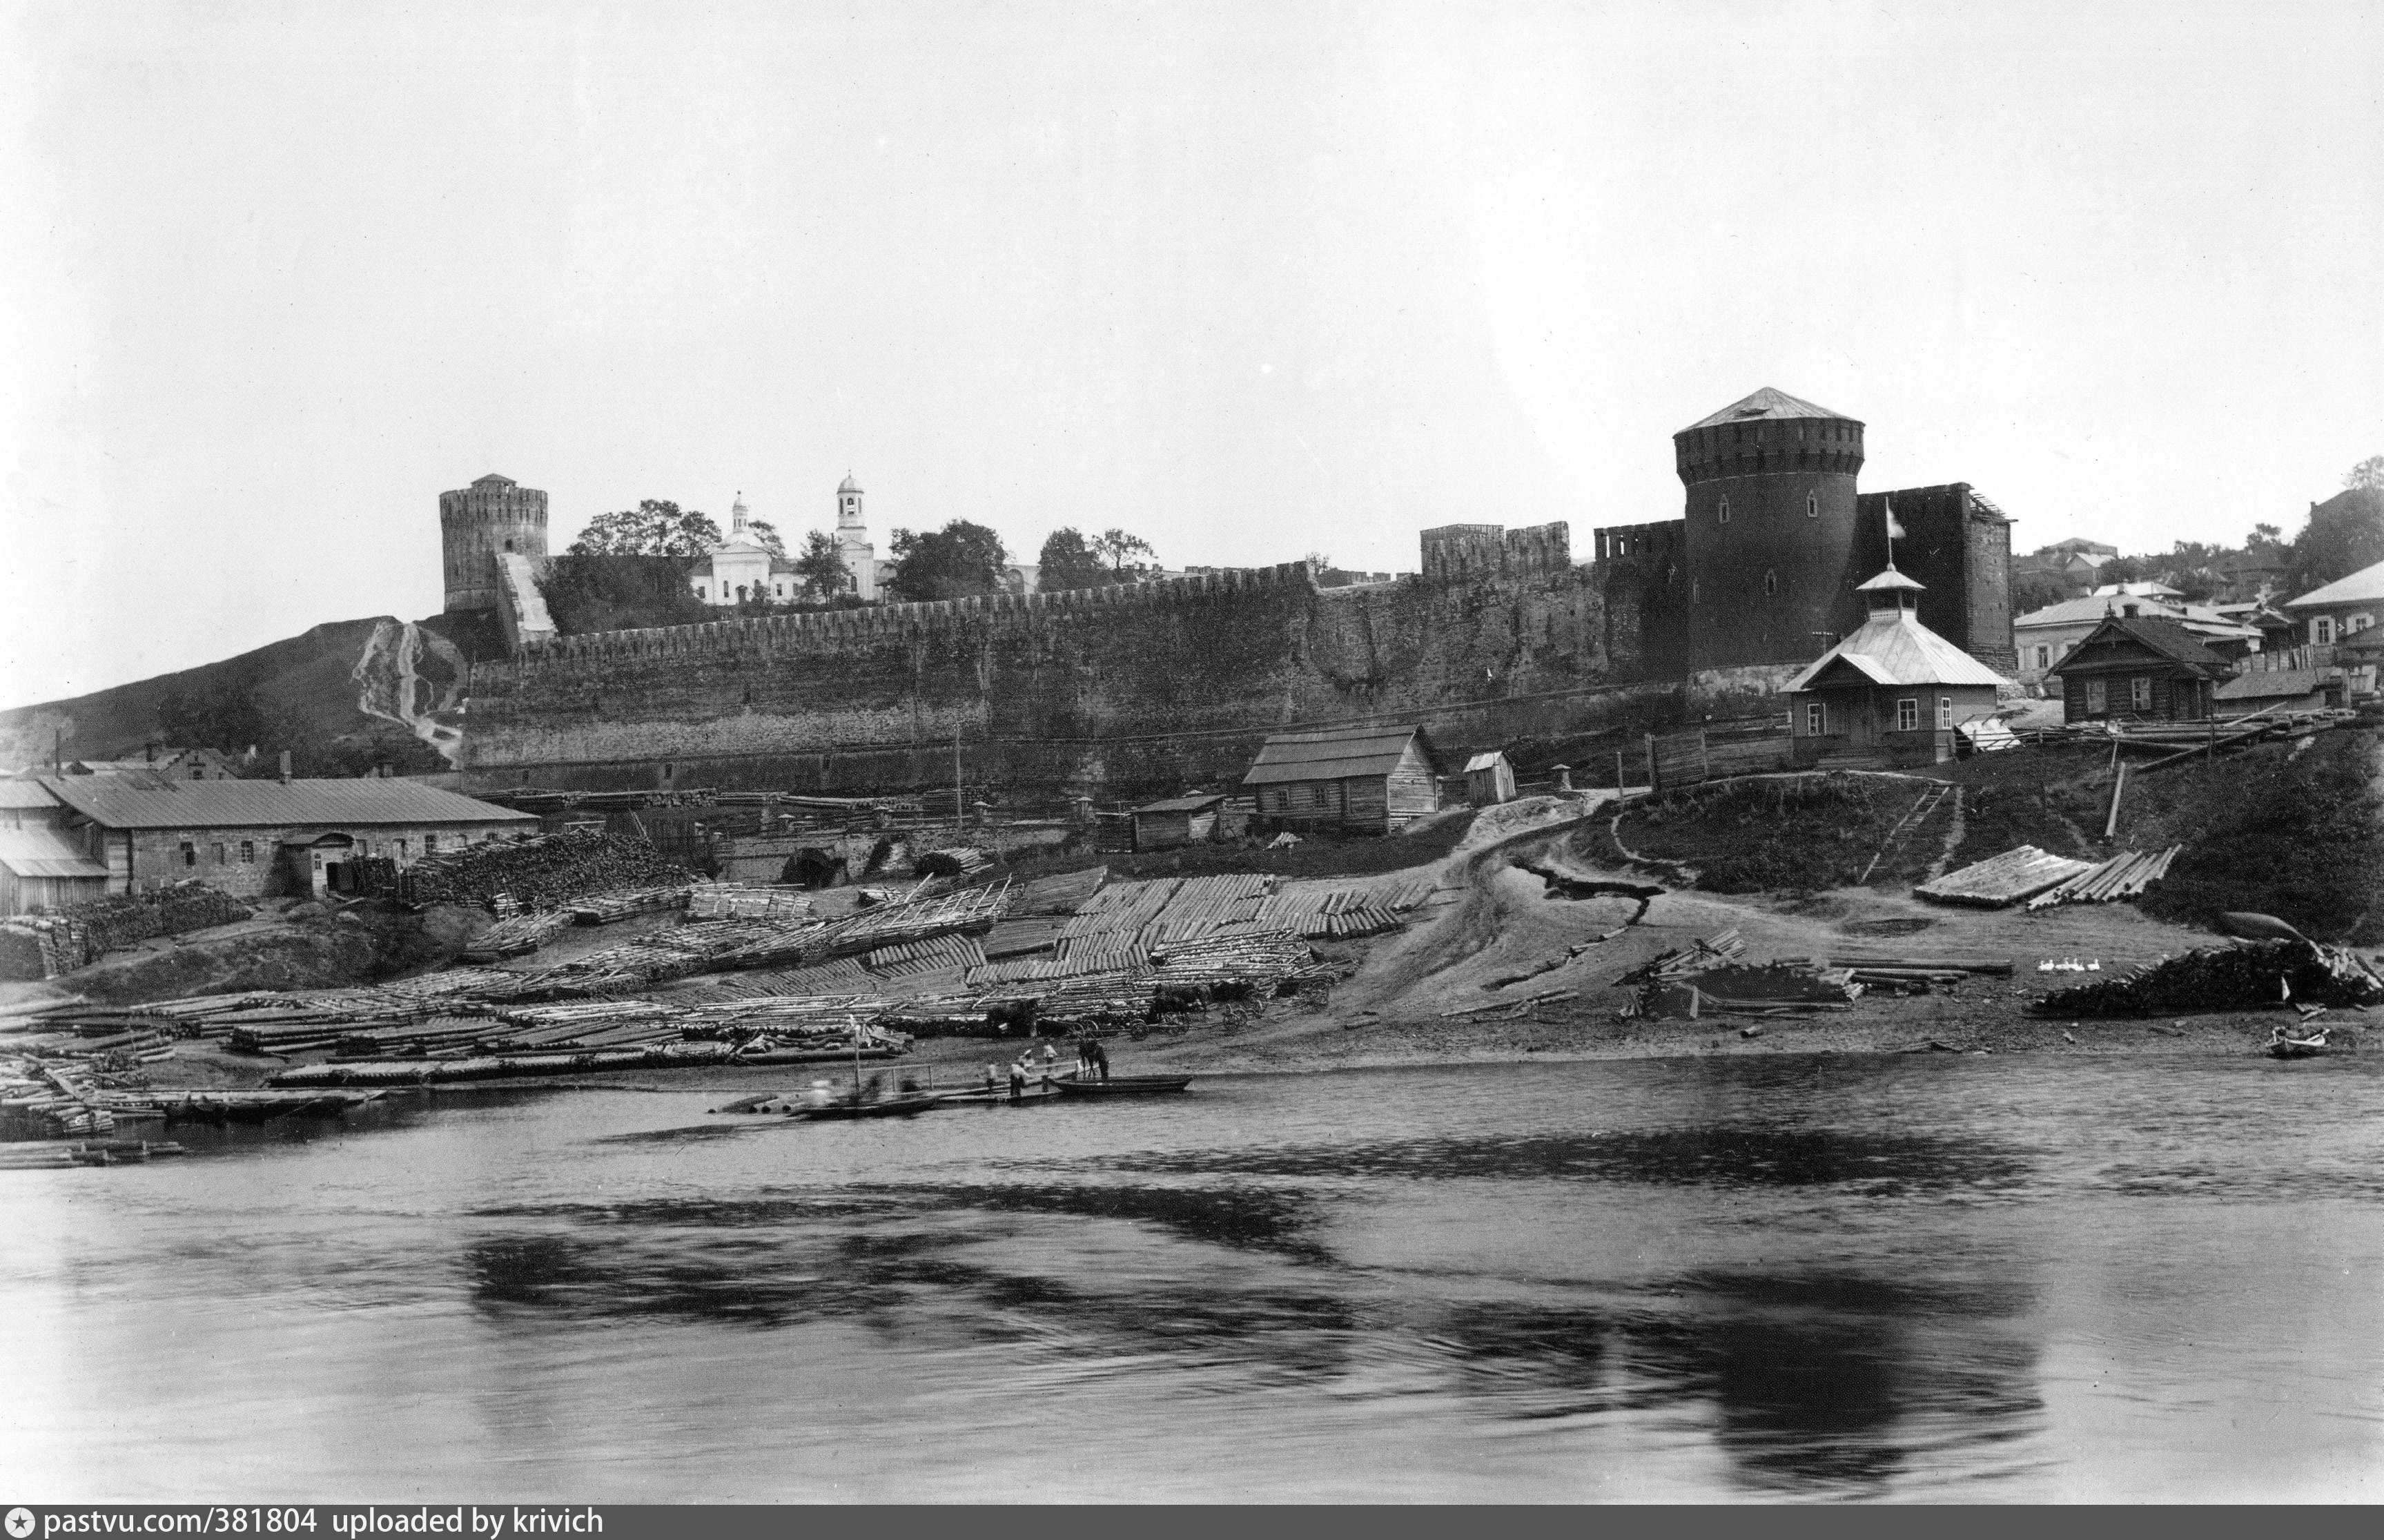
[[1163, 826], [1373, 779], [2277, 690], [1489, 778], [43, 868], [2139, 666]]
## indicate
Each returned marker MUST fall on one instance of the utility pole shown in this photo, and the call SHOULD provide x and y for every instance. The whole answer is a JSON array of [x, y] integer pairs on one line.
[[956, 803]]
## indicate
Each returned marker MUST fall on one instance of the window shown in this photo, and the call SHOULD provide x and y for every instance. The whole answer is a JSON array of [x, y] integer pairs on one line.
[[2357, 624], [1945, 712], [1908, 715], [1812, 506], [216, 853], [1725, 511], [1816, 719], [2044, 657], [1770, 582], [401, 849], [2322, 630], [248, 852], [429, 843], [2094, 702], [190, 853], [2140, 693]]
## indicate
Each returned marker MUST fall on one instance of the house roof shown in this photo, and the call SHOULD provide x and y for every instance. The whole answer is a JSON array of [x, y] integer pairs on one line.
[[45, 854], [2194, 617], [148, 802], [1764, 404], [2144, 589], [2361, 587], [2263, 684], [2165, 638], [1484, 762], [2369, 640], [1893, 648], [17, 792], [1181, 804], [1331, 753]]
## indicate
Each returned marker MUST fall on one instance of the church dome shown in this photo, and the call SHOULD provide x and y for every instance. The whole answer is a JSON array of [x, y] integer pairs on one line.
[[849, 485]]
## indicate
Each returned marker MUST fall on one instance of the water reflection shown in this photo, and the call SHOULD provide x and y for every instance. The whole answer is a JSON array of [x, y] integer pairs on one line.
[[1882, 1164]]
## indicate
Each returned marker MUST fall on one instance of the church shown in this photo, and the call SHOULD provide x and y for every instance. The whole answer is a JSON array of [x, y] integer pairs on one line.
[[741, 567]]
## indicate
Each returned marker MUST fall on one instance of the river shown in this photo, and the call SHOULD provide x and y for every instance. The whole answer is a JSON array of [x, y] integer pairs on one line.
[[1921, 1277]]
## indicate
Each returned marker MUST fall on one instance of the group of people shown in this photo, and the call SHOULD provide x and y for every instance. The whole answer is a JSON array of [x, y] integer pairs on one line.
[[1092, 1064]]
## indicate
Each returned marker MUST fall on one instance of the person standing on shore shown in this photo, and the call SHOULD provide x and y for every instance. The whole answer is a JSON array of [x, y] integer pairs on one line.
[[1018, 1078]]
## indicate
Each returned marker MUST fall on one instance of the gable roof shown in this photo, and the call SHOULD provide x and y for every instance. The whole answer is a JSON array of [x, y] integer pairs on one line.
[[45, 854], [20, 793], [2362, 587], [2266, 683], [1484, 762], [1765, 403], [1332, 753], [2164, 637], [149, 802], [1181, 805], [1893, 648]]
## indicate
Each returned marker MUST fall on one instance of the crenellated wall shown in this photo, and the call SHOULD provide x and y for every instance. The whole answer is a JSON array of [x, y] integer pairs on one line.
[[1118, 690]]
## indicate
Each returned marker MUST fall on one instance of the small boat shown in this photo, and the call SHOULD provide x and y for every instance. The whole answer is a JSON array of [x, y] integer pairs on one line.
[[1036, 1093], [2286, 1045], [1123, 1085], [891, 1107]]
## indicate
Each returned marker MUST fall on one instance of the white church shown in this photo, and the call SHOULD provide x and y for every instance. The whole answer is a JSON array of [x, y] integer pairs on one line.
[[741, 567]]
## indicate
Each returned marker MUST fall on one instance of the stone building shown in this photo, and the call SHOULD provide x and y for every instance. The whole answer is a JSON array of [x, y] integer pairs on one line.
[[253, 839], [741, 567]]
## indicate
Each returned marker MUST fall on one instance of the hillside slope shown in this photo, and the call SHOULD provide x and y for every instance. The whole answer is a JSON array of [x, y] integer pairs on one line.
[[337, 697]]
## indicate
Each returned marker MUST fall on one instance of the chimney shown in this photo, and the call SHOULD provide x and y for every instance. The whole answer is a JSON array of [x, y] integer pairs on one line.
[[149, 752], [285, 768], [2129, 611]]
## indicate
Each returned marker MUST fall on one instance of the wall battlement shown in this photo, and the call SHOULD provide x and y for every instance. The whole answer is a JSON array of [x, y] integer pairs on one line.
[[1453, 553]]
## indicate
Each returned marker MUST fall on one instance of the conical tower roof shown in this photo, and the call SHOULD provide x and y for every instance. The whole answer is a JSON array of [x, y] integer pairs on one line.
[[1763, 404]]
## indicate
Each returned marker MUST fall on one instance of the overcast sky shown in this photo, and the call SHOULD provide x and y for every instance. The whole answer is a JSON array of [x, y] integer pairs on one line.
[[1250, 281]]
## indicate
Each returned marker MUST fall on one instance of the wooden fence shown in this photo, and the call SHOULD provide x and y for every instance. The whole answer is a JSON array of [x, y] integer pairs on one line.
[[1685, 759]]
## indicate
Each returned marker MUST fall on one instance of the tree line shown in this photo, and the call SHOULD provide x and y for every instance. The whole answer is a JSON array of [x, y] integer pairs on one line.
[[2343, 534], [631, 568]]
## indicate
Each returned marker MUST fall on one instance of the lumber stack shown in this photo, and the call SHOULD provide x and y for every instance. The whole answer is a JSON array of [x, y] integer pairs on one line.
[[43, 946], [540, 872], [1260, 961], [516, 937], [2245, 977], [2005, 879], [954, 861], [2125, 875], [720, 901], [1060, 895]]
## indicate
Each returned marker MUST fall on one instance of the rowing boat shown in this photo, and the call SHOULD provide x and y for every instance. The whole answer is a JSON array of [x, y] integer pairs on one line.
[[2283, 1047], [1123, 1085]]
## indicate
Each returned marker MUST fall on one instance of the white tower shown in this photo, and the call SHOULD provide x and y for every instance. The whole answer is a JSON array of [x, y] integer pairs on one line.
[[852, 540]]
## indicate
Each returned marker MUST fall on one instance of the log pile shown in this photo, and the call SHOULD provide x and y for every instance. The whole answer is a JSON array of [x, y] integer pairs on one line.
[[544, 871], [907, 958], [720, 901], [2249, 975], [1259, 961], [1060, 895], [2005, 879], [43, 946], [2125, 875], [954, 861], [605, 909], [517, 936]]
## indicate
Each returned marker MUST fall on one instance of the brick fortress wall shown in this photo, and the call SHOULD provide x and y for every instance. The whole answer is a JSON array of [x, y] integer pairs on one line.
[[1118, 692]]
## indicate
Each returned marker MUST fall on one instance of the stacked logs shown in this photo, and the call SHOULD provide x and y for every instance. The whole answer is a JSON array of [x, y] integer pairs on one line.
[[541, 871], [2248, 975]]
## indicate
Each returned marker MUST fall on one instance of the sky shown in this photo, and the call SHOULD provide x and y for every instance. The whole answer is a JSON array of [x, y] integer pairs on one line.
[[1251, 281]]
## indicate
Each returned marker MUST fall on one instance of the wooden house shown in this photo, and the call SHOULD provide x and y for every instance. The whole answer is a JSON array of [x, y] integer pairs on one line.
[[1372, 778], [1894, 692], [1163, 825], [1488, 780], [2275, 690], [2143, 666], [44, 868]]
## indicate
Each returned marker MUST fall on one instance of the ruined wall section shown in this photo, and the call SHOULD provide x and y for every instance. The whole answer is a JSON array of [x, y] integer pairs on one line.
[[1120, 690]]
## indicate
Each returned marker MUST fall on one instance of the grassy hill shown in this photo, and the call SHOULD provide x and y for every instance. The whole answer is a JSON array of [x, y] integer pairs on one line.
[[299, 694]]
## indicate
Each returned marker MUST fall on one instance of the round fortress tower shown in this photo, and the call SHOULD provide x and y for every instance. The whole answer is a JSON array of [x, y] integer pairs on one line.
[[492, 517], [1770, 531]]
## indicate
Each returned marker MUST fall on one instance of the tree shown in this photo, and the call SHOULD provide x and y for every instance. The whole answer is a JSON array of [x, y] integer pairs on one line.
[[586, 592], [2031, 592], [955, 561], [653, 528], [2367, 476], [2345, 534], [1115, 546], [767, 536], [1069, 561], [821, 566]]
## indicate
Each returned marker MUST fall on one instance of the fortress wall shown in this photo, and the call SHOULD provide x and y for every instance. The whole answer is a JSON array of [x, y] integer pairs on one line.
[[1118, 691]]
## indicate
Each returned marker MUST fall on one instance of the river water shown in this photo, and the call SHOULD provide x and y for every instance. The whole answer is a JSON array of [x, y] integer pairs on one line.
[[1914, 1277]]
